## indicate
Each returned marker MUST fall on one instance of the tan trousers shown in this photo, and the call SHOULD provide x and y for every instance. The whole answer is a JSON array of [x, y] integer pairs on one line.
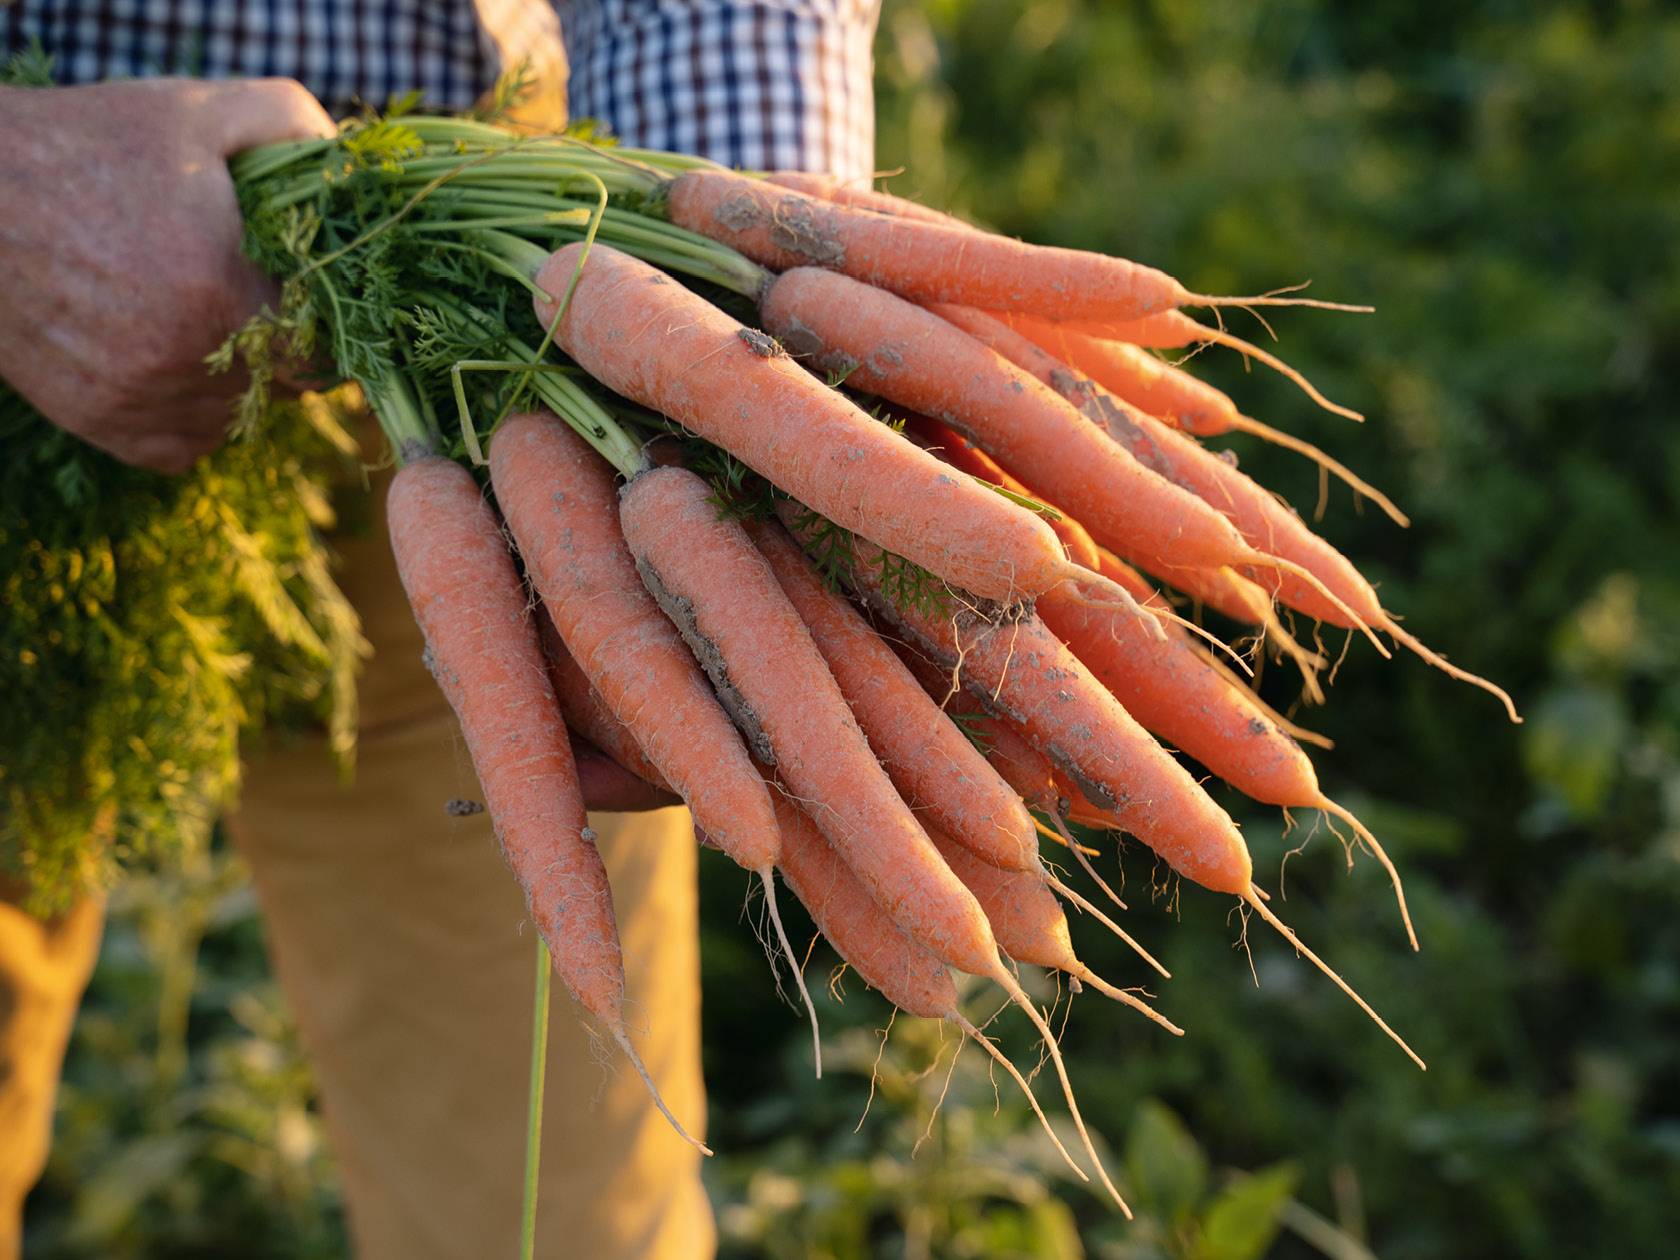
[[401, 941]]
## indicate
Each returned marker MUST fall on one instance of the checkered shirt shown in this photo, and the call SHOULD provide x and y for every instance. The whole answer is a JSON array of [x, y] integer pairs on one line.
[[771, 84], [754, 83]]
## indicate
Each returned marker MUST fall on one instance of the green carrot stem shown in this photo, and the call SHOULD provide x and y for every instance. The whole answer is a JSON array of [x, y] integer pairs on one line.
[[534, 1104]]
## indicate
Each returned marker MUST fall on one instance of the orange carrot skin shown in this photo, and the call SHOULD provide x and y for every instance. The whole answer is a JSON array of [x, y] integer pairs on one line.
[[1263, 522], [643, 335], [587, 714], [1017, 668], [959, 452], [876, 948], [1027, 771], [714, 583], [482, 646], [935, 768], [912, 357], [1176, 693], [561, 504], [925, 262], [833, 189], [1024, 913], [1131, 373], [1164, 330]]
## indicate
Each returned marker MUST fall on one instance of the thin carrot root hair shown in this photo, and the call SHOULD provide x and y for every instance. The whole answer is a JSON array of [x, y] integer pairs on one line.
[[1061, 838], [1277, 437], [769, 879], [1377, 851], [623, 1039], [1305, 660], [1078, 578], [1266, 561], [1448, 668], [1222, 337], [986, 1044], [1256, 899], [1085, 862], [1125, 999], [1277, 297], [1085, 904], [1009, 985]]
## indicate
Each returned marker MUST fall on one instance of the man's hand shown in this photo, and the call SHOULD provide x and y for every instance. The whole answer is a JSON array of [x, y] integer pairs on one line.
[[120, 258], [610, 787]]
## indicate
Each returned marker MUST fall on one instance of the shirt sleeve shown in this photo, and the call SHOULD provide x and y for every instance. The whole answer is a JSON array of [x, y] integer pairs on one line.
[[758, 84]]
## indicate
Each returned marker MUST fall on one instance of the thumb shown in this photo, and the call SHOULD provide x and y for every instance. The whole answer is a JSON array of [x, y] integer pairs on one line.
[[252, 112]]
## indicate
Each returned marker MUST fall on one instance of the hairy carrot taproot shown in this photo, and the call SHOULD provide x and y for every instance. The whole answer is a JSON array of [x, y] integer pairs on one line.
[[561, 505], [928, 262], [1014, 665], [912, 357], [905, 973], [482, 647], [1030, 924], [719, 590], [1171, 330], [1166, 390], [1174, 692]]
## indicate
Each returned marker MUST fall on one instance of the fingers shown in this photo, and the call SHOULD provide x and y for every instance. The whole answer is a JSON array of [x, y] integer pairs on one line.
[[252, 112]]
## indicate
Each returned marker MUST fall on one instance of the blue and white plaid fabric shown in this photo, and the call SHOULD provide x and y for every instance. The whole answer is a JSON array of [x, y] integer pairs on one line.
[[754, 83], [776, 84]]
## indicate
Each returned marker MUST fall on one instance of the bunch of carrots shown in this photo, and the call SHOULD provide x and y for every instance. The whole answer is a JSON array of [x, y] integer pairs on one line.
[[825, 512]]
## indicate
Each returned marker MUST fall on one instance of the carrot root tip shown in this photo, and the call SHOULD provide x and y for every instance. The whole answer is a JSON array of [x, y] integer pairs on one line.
[[793, 962], [1254, 898], [623, 1039]]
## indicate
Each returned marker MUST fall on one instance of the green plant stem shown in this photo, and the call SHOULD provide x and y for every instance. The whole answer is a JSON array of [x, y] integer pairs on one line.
[[534, 1103]]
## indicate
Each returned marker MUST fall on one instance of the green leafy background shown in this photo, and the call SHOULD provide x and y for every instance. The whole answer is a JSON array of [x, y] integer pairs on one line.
[[1500, 179]]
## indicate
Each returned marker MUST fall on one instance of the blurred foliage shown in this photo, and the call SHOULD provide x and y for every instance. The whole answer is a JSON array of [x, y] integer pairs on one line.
[[1500, 180]]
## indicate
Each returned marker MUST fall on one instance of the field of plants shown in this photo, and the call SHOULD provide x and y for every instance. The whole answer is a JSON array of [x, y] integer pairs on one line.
[[1499, 181]]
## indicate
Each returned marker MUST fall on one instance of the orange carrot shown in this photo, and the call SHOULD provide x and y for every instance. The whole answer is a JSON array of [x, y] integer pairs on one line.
[[1317, 579], [560, 503], [877, 948], [901, 352], [1230, 594], [933, 765], [959, 452], [927, 262], [1167, 330], [650, 339], [1030, 924], [1170, 392], [719, 590], [1175, 693], [1013, 664], [587, 714], [482, 647]]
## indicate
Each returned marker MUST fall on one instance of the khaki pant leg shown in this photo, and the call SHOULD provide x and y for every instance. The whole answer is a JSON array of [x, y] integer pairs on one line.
[[44, 967], [401, 940]]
